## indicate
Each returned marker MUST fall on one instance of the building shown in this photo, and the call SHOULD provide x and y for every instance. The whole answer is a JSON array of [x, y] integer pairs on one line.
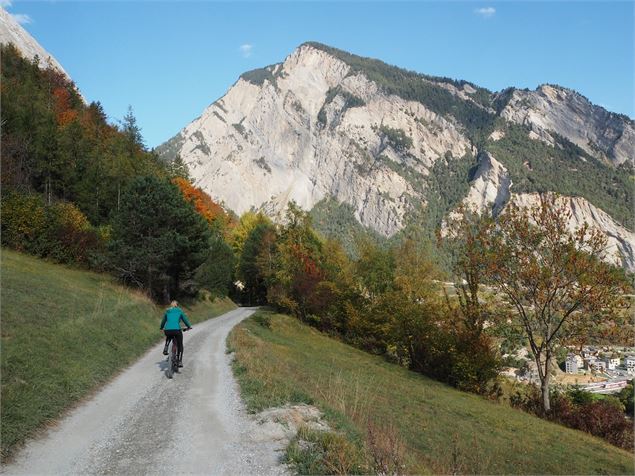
[[629, 362], [573, 363], [612, 362], [599, 365]]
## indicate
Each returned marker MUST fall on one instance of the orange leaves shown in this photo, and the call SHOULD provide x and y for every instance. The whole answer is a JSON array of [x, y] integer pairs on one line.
[[63, 111], [66, 117], [203, 203]]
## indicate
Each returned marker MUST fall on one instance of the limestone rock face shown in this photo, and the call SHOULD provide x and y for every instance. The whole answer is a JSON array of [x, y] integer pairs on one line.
[[553, 109], [309, 131], [490, 188], [491, 191], [620, 241]]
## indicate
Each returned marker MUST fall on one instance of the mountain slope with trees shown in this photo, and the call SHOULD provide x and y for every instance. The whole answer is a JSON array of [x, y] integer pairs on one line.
[[78, 189], [327, 125]]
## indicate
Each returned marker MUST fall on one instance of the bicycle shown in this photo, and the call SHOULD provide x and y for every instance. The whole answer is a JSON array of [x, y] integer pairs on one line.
[[173, 360]]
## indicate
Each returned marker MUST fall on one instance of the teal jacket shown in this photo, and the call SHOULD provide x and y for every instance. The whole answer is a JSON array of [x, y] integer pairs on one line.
[[171, 319]]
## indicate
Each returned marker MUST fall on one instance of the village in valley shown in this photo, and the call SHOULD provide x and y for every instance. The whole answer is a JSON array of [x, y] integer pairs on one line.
[[596, 369]]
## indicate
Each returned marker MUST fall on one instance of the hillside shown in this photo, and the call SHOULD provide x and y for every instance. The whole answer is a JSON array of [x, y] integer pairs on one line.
[[440, 429], [64, 333], [397, 147]]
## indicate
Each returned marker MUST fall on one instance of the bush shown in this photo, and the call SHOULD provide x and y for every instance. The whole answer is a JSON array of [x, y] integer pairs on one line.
[[626, 397], [60, 232], [68, 236], [600, 417], [23, 221], [462, 360]]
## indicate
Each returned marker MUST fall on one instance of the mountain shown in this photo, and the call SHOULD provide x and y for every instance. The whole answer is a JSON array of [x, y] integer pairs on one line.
[[12, 32], [398, 147]]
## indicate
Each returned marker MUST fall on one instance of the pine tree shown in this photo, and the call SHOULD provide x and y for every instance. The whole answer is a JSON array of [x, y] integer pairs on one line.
[[158, 239]]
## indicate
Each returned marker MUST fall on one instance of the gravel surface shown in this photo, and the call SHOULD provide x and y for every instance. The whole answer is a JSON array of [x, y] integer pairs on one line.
[[143, 423]]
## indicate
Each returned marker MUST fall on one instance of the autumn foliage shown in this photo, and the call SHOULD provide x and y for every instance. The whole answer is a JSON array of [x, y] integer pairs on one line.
[[204, 205], [60, 232], [603, 418]]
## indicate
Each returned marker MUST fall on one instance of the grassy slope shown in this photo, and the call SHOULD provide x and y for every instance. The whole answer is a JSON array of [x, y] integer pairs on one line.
[[64, 332], [443, 429]]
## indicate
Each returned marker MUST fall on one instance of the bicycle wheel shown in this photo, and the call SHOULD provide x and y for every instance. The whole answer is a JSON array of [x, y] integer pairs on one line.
[[169, 371], [175, 357]]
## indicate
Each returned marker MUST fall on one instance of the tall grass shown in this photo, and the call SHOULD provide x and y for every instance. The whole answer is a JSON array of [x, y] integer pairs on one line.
[[65, 332], [403, 421]]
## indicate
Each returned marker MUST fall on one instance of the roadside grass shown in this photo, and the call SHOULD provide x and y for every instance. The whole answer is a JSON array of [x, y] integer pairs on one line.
[[64, 333], [396, 418]]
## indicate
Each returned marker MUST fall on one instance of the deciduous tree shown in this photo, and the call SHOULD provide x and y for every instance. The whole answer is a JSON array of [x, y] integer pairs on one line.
[[554, 277]]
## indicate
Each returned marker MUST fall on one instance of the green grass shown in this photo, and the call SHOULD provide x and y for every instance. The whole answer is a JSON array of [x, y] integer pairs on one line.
[[443, 430], [65, 332]]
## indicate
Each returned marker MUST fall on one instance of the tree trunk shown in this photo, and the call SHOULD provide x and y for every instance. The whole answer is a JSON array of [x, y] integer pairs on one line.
[[48, 190], [544, 386], [149, 280]]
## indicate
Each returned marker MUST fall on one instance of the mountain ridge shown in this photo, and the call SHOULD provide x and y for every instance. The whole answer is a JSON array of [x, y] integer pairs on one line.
[[327, 124]]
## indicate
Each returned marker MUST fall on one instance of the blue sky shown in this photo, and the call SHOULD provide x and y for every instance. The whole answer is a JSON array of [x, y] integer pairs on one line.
[[170, 60]]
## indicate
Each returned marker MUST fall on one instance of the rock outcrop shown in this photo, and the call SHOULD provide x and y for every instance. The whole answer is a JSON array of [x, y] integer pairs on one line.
[[490, 187], [553, 109], [491, 191], [620, 248], [311, 130]]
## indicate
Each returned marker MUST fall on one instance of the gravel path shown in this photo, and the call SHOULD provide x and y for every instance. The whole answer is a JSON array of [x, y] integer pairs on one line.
[[143, 423]]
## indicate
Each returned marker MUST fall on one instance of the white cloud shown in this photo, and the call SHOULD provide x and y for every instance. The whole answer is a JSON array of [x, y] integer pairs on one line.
[[246, 50], [22, 18], [485, 12]]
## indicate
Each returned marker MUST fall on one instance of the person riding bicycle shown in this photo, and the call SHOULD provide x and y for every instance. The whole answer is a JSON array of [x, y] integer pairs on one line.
[[171, 327]]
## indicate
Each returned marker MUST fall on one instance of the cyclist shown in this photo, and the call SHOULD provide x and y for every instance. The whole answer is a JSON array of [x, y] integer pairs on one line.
[[171, 327]]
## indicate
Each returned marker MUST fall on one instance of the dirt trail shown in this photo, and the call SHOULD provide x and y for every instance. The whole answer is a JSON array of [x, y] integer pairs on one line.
[[143, 423]]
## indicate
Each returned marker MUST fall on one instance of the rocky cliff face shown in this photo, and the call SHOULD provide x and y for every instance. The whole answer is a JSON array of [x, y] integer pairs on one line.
[[12, 32], [325, 124], [552, 109], [491, 187], [312, 130], [491, 191]]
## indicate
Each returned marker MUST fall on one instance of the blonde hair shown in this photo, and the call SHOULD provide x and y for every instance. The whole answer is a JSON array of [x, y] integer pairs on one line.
[[174, 304]]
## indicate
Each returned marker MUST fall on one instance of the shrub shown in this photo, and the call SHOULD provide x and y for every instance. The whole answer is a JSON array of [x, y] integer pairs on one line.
[[68, 236], [600, 417], [23, 220], [474, 364], [626, 397], [60, 231], [397, 138]]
